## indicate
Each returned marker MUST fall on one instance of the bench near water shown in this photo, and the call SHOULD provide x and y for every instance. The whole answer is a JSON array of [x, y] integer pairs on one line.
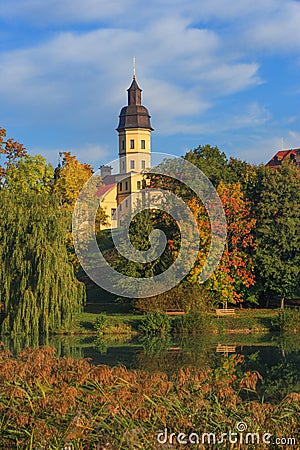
[[175, 312], [225, 348], [225, 312]]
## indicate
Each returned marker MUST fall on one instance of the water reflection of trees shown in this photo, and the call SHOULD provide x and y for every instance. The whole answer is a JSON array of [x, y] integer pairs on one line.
[[64, 345], [277, 358], [279, 364], [19, 342], [166, 355]]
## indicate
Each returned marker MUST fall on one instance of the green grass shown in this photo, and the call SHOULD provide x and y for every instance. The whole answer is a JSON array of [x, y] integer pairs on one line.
[[84, 322], [250, 320], [246, 321], [100, 301]]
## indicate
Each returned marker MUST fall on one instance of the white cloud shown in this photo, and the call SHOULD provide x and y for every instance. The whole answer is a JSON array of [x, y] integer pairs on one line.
[[292, 140], [240, 117], [253, 115], [271, 24], [191, 57], [74, 76], [258, 148], [278, 31], [230, 77], [96, 153], [41, 12]]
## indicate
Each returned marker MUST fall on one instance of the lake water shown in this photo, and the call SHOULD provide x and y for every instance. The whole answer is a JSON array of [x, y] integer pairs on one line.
[[276, 357]]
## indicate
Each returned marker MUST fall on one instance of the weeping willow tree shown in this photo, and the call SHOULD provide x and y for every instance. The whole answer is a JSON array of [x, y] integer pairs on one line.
[[38, 289]]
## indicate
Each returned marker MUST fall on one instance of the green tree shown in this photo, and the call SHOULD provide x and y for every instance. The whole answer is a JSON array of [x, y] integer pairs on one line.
[[211, 161], [38, 287], [12, 151], [23, 172], [30, 173], [139, 231], [277, 233], [216, 166], [70, 177]]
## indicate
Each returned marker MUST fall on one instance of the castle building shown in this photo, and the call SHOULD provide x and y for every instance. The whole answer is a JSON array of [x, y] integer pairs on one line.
[[134, 132]]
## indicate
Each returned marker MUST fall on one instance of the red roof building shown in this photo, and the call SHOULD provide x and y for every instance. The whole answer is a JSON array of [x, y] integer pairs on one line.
[[104, 189], [291, 155]]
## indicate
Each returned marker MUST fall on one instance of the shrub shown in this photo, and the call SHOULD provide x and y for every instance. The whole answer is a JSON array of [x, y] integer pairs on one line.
[[100, 323], [111, 325], [287, 320], [155, 323], [192, 323], [186, 296]]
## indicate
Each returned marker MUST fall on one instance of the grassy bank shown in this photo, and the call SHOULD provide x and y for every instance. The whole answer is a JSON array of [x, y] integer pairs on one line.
[[244, 321]]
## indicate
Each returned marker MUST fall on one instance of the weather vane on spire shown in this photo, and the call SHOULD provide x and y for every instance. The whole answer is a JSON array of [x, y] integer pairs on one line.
[[134, 67]]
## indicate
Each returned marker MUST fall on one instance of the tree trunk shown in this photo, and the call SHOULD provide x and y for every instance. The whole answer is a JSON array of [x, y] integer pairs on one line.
[[282, 303]]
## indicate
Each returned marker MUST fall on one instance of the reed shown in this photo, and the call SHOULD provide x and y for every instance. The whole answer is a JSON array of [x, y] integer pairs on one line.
[[48, 402]]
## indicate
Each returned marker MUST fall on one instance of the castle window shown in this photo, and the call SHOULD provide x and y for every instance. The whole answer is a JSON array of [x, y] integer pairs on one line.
[[143, 144], [123, 145], [143, 164], [138, 185], [123, 165], [121, 186], [113, 213], [126, 203], [132, 164], [126, 185], [131, 143]]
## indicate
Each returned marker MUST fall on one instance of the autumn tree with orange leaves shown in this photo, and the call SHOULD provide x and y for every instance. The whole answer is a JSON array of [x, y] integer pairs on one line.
[[71, 176], [234, 274], [235, 271]]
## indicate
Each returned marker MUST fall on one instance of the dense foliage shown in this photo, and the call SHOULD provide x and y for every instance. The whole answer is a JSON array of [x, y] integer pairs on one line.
[[277, 233], [235, 270], [155, 323], [261, 258], [39, 291], [38, 287], [262, 253]]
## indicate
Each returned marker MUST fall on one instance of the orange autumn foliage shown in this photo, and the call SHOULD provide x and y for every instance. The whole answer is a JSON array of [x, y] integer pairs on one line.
[[235, 269]]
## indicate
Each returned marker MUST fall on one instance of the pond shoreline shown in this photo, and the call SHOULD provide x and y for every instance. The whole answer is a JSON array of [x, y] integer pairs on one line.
[[243, 322], [134, 333]]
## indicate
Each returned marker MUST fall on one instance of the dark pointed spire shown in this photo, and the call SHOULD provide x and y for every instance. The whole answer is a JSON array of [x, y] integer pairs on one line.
[[134, 93], [135, 115]]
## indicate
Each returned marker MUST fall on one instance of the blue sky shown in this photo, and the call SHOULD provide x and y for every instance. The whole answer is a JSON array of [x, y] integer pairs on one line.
[[219, 72]]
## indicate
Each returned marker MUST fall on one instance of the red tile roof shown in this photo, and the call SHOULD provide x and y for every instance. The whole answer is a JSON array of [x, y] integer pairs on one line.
[[104, 189], [284, 154]]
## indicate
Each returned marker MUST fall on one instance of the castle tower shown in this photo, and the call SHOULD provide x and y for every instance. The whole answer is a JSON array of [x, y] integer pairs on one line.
[[134, 131]]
